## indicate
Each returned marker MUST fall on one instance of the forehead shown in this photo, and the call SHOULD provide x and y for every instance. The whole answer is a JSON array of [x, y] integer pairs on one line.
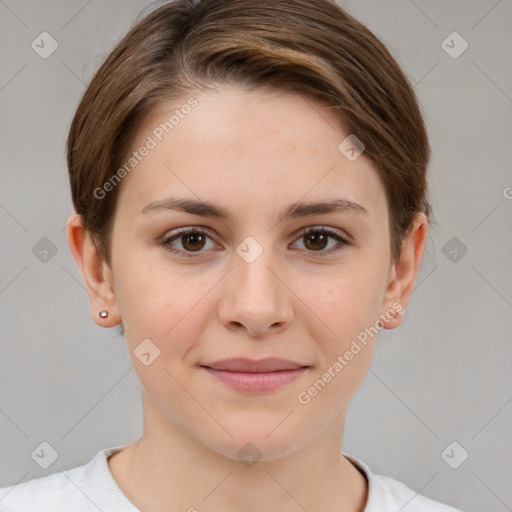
[[242, 148]]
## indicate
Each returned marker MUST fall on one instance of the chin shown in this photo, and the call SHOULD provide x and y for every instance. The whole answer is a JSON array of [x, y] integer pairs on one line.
[[258, 440]]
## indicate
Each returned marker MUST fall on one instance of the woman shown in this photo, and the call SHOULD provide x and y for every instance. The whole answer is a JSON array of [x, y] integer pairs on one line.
[[249, 180]]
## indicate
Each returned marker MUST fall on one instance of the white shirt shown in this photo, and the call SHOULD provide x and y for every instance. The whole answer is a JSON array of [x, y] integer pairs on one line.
[[92, 488]]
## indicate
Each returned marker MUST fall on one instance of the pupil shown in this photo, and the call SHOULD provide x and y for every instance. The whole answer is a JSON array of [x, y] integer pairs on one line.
[[194, 237], [316, 237]]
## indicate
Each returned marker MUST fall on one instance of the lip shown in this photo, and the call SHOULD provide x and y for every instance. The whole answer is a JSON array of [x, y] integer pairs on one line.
[[255, 376], [244, 364]]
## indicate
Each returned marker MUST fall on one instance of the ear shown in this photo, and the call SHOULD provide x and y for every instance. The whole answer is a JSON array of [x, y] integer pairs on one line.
[[403, 273], [97, 274]]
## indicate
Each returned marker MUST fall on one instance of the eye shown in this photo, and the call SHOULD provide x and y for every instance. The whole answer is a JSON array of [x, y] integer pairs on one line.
[[317, 239], [191, 239]]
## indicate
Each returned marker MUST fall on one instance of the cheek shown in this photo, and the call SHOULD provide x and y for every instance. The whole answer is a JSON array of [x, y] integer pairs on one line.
[[159, 302], [346, 301], [348, 305], [162, 314], [332, 388], [349, 310]]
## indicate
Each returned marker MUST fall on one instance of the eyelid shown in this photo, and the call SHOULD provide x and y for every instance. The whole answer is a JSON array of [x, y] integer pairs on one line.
[[174, 233], [326, 229]]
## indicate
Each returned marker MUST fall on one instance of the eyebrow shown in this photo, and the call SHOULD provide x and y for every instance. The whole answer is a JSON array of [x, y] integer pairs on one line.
[[295, 210]]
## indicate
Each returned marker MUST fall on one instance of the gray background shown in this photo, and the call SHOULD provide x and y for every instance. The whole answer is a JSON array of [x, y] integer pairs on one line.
[[444, 375]]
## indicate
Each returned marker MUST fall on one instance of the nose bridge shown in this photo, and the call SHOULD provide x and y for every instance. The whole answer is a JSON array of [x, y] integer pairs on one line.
[[255, 258], [256, 298]]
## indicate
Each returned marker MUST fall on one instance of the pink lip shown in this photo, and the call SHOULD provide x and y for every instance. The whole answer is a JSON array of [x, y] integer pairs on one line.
[[255, 376]]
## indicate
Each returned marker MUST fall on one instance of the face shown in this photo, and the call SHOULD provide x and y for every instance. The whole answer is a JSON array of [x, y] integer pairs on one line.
[[255, 283]]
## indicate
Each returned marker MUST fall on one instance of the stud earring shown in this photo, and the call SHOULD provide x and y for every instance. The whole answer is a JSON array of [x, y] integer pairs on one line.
[[103, 314]]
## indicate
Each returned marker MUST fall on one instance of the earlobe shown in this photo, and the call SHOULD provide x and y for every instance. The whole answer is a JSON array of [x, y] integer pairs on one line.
[[95, 272], [404, 272]]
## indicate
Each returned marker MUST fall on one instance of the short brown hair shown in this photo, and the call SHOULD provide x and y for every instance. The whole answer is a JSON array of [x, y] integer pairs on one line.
[[310, 47]]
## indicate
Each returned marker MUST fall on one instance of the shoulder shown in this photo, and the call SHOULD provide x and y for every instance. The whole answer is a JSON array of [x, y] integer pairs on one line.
[[386, 494], [391, 494], [86, 488], [45, 494]]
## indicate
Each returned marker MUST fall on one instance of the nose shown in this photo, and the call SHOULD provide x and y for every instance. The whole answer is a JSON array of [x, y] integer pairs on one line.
[[256, 297]]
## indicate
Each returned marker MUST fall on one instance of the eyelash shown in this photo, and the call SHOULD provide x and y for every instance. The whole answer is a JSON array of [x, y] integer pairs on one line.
[[320, 254]]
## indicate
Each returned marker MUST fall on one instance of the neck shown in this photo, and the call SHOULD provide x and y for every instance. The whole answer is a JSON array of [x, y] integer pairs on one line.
[[167, 469]]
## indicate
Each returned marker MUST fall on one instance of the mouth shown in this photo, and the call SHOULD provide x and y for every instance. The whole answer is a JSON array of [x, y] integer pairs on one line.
[[253, 376]]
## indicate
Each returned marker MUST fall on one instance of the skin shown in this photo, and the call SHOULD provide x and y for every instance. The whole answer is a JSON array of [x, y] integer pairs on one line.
[[252, 153]]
